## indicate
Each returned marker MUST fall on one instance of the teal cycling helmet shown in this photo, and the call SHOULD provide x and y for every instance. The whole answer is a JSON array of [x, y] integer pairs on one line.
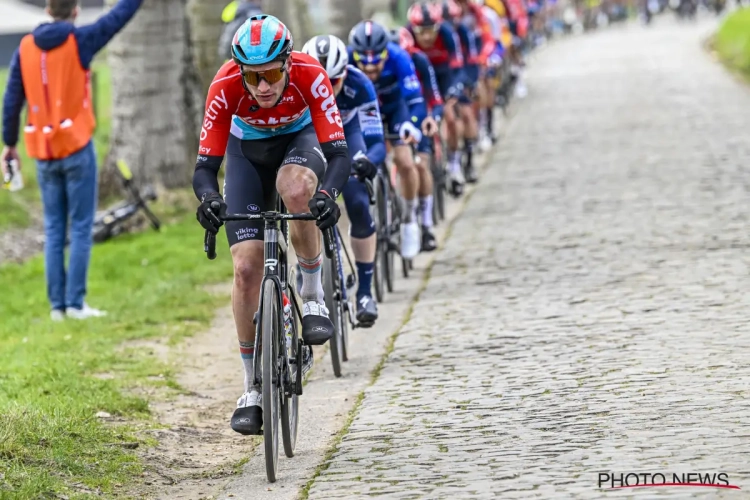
[[260, 40]]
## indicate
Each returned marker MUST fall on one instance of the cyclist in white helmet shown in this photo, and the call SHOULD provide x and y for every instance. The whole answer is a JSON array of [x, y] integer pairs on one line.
[[358, 103]]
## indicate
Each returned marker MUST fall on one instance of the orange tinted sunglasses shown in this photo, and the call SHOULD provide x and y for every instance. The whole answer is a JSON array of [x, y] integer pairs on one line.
[[271, 76]]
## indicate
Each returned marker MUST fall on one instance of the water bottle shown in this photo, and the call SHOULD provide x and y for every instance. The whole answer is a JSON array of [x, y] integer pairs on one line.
[[13, 179], [287, 321]]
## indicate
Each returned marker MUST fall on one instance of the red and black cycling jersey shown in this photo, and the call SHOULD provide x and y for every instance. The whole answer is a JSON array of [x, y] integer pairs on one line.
[[308, 98]]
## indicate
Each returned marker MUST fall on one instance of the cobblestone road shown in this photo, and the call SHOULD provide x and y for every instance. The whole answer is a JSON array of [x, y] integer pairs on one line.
[[590, 310]]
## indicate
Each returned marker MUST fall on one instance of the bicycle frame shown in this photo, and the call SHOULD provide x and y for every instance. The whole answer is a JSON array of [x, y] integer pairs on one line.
[[275, 265]]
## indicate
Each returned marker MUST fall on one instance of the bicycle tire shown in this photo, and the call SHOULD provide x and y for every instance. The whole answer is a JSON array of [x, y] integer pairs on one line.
[[386, 212], [290, 405], [270, 315], [334, 310], [343, 302], [439, 184], [435, 188], [378, 276]]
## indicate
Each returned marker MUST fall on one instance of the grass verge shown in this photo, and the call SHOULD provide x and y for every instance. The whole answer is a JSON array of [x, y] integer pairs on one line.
[[15, 206], [56, 377], [732, 41]]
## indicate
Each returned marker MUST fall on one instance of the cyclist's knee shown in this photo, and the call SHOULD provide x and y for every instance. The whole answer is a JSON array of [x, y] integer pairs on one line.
[[403, 158], [357, 201], [296, 185], [247, 258]]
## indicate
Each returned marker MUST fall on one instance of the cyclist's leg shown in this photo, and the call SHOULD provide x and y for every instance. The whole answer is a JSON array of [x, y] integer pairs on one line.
[[298, 178], [246, 188], [424, 150], [404, 160], [485, 104], [362, 236], [471, 130], [453, 131]]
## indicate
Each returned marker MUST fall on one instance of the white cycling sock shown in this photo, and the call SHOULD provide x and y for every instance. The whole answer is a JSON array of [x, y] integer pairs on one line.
[[247, 351], [426, 205], [482, 119], [312, 288], [411, 210]]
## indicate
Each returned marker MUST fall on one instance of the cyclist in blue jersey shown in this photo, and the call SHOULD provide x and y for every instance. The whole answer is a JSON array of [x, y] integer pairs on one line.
[[358, 103], [390, 68]]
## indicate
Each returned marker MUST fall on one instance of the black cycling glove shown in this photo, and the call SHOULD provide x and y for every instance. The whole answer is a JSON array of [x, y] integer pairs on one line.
[[325, 209], [207, 216], [364, 168]]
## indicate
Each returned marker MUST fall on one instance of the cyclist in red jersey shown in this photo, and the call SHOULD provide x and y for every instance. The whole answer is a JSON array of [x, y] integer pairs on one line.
[[473, 18], [273, 114], [439, 42], [519, 22]]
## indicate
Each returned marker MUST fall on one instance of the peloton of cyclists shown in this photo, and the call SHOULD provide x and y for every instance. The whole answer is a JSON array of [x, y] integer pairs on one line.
[[298, 124], [390, 69]]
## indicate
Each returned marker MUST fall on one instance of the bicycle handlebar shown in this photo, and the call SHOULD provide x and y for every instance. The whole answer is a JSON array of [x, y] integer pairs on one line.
[[209, 239]]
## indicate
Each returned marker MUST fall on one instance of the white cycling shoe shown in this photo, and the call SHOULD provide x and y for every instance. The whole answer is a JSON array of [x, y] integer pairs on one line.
[[411, 240]]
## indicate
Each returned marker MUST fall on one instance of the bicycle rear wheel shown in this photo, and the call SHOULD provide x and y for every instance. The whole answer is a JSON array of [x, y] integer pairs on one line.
[[330, 279], [290, 399], [271, 384]]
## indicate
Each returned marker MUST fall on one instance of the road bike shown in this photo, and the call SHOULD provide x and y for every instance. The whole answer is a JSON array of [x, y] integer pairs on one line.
[[281, 359]]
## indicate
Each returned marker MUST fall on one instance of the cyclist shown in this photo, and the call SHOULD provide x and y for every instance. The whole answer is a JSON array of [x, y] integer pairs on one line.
[[519, 23], [452, 14], [439, 43], [272, 112], [430, 127], [389, 67], [358, 104], [500, 33], [482, 42]]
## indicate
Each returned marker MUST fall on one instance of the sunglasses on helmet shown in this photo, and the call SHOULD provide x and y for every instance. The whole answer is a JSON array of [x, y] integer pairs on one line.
[[271, 76]]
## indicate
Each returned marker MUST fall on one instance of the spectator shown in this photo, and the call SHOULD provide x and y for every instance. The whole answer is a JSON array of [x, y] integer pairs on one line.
[[50, 71]]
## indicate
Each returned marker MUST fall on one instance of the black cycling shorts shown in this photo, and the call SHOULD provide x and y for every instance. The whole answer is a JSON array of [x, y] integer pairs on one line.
[[250, 179]]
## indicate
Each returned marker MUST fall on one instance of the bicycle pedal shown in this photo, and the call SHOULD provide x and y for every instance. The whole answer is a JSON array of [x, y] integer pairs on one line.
[[350, 281], [365, 324]]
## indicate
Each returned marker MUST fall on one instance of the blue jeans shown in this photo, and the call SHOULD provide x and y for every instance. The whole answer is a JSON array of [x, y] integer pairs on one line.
[[69, 188]]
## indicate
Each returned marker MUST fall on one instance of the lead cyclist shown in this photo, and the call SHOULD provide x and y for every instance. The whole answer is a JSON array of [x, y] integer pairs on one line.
[[273, 114]]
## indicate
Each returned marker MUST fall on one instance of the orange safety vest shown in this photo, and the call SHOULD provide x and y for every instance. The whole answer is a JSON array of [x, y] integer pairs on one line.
[[58, 91]]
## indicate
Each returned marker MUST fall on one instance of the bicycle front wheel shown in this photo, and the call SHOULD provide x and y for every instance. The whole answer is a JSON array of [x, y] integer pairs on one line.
[[271, 383], [380, 271]]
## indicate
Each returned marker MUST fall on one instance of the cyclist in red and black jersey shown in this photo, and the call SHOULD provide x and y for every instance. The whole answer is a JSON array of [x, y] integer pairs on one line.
[[439, 42], [273, 114], [478, 28]]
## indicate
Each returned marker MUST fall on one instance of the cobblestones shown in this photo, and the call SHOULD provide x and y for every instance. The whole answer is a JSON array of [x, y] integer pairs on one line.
[[590, 310]]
